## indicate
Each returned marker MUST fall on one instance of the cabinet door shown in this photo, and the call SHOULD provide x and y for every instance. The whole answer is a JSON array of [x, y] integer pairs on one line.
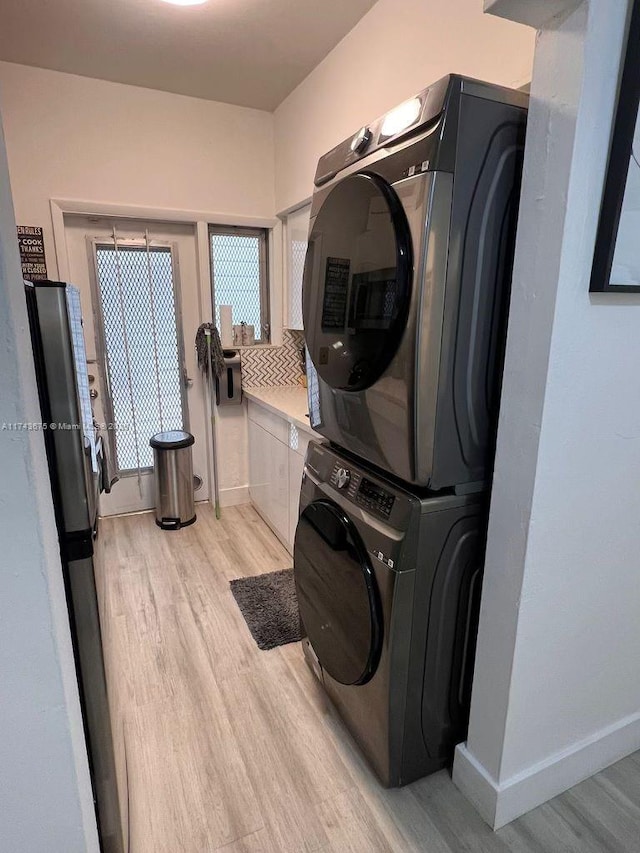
[[278, 512], [296, 233], [269, 478], [259, 467], [296, 467], [270, 422]]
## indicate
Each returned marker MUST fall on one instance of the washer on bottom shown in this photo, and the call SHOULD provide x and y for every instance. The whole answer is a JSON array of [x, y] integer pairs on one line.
[[389, 584]]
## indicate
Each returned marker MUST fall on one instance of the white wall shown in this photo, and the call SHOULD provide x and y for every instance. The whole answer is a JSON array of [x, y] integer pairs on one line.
[[397, 49], [45, 791], [556, 692], [106, 143], [74, 137]]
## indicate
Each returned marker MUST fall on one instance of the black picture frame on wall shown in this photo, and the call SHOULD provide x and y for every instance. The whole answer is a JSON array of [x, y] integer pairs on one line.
[[623, 157]]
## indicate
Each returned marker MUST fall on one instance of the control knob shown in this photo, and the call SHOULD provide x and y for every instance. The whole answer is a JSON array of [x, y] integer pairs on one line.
[[342, 478], [361, 140]]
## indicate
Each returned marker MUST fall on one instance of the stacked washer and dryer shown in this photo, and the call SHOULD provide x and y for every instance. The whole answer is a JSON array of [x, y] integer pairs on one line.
[[405, 299]]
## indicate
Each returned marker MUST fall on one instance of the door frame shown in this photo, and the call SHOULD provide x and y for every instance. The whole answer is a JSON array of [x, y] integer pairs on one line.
[[200, 219], [101, 344]]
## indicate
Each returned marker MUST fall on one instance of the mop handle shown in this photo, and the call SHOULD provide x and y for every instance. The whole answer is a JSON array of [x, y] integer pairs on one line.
[[216, 490]]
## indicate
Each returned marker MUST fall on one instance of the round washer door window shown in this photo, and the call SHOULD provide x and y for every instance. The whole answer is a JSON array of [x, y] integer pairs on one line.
[[337, 593], [357, 282]]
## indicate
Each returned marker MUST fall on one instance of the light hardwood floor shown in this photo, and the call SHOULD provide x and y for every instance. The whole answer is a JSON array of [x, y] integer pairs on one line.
[[232, 749]]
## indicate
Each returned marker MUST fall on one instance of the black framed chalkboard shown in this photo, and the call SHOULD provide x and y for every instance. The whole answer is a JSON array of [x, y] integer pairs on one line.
[[616, 260], [32, 257]]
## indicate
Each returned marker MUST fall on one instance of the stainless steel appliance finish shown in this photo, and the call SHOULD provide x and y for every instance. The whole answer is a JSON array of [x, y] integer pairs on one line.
[[55, 323], [407, 279], [388, 583], [229, 383], [173, 474]]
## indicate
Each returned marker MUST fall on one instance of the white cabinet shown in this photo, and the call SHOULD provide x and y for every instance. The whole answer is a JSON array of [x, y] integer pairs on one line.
[[296, 232], [269, 478], [279, 491], [277, 450], [296, 466], [259, 473], [298, 441]]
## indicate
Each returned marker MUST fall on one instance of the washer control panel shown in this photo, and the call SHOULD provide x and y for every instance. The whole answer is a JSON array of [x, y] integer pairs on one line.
[[373, 497], [362, 491]]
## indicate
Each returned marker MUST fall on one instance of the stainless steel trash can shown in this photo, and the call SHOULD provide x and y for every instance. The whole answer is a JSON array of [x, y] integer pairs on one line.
[[173, 474]]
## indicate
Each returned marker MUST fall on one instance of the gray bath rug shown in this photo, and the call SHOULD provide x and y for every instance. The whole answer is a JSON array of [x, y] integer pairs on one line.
[[270, 608]]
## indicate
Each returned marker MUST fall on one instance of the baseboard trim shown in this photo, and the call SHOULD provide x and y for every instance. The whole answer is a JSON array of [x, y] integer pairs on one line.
[[234, 496], [500, 803], [475, 783]]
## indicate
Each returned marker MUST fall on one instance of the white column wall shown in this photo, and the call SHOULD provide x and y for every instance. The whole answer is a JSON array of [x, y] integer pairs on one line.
[[45, 792], [556, 695]]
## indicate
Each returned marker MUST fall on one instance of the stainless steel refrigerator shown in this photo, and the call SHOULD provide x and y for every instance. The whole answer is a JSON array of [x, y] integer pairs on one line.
[[73, 453]]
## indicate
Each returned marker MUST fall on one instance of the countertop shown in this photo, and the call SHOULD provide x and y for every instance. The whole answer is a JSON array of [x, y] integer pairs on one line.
[[289, 401]]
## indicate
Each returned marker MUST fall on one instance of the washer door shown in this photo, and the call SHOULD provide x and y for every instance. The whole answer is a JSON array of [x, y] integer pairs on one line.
[[357, 282], [337, 593]]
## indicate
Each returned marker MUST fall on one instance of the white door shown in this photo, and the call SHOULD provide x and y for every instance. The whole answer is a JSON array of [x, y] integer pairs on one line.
[[141, 307]]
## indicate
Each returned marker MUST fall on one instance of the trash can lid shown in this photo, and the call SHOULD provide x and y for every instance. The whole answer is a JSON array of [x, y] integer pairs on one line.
[[171, 439]]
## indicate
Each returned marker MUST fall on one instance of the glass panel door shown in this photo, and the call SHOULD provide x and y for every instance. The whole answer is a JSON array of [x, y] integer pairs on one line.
[[157, 358], [142, 348], [357, 282]]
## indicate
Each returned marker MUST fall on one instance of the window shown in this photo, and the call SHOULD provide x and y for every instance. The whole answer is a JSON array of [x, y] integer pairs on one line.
[[240, 278], [142, 349]]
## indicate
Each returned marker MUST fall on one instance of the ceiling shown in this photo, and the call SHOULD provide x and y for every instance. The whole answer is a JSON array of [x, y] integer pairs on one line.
[[246, 52]]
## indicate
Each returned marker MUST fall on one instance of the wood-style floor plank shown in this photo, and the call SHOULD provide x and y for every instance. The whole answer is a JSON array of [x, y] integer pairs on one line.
[[351, 826], [182, 768], [232, 749]]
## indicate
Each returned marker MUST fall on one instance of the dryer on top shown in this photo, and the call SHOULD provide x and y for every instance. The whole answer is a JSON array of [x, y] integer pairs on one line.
[[407, 278]]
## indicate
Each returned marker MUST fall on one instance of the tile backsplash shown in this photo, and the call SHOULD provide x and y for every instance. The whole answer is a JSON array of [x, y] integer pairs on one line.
[[268, 366]]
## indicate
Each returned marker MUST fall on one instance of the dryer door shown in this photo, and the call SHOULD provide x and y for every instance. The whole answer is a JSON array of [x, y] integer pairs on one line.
[[337, 593], [357, 282]]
